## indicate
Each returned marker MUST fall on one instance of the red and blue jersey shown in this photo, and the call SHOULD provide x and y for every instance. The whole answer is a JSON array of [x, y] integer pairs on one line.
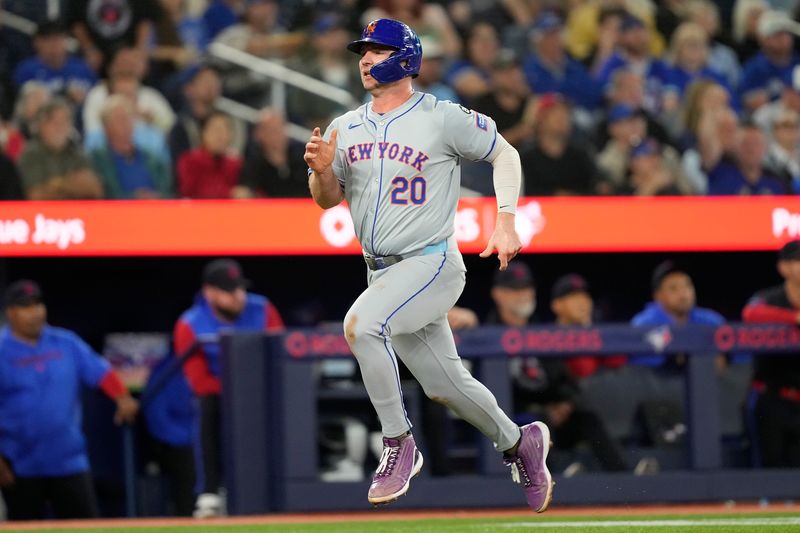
[[202, 367], [40, 409]]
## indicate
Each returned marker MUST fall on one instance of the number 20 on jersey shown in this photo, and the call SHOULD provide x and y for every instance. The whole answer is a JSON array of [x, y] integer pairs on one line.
[[405, 190]]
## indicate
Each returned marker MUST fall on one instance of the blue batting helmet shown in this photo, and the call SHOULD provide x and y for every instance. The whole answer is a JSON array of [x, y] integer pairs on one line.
[[396, 35]]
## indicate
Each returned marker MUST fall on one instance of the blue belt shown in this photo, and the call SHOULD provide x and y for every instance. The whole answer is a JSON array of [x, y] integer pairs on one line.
[[376, 262]]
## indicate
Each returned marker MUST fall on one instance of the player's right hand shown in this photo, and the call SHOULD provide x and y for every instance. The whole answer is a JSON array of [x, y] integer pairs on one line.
[[6, 474], [319, 153]]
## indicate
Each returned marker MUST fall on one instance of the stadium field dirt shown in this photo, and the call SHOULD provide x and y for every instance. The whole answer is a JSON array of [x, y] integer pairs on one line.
[[777, 518]]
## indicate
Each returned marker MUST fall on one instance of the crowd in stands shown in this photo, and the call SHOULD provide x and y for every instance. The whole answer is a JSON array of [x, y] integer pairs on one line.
[[631, 97]]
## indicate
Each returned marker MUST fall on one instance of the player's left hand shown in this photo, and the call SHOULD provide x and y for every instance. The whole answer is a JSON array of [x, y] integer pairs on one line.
[[504, 239], [127, 409]]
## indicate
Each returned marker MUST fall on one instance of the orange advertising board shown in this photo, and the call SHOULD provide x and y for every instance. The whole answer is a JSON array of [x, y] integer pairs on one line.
[[299, 227]]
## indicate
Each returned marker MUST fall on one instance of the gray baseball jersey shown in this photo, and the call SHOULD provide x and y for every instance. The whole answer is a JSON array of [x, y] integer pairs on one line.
[[401, 176], [400, 170]]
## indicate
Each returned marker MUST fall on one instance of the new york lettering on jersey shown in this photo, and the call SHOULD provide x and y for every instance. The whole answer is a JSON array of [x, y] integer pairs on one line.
[[400, 171]]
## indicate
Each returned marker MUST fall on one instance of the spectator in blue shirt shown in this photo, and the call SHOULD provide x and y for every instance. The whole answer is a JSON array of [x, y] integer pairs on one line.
[[674, 304], [472, 77], [689, 56], [634, 54], [745, 175], [549, 69], [763, 77], [54, 66], [42, 450]]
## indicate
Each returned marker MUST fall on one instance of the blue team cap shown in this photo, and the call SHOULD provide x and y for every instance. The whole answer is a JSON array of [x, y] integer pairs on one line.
[[326, 22], [22, 293], [547, 21], [620, 112], [631, 22]]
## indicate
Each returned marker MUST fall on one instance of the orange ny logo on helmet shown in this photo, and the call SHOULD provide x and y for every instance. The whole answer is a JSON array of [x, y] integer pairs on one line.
[[370, 29]]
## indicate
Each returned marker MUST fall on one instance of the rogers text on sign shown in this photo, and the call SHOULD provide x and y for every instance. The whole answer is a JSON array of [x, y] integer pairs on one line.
[[46, 231]]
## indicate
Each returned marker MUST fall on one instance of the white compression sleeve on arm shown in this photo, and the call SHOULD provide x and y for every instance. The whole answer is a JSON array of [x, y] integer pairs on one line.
[[507, 175]]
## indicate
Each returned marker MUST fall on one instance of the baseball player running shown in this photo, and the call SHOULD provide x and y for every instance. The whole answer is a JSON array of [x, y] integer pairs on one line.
[[396, 162]]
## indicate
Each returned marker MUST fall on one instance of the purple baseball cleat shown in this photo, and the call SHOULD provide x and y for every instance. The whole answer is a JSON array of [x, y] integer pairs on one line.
[[529, 467], [401, 460]]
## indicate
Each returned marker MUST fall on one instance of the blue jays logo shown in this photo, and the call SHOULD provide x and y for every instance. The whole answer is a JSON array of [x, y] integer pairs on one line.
[[659, 338], [370, 29]]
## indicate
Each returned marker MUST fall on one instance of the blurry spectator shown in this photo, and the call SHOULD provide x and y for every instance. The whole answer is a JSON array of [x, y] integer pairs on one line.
[[471, 77], [128, 171], [545, 388], [125, 75], [431, 72], [626, 129], [260, 33], [706, 14], [609, 22], [718, 133], [790, 100], [554, 165], [43, 451], [649, 173], [325, 59], [146, 135], [747, 176], [30, 100], [222, 304], [54, 66], [783, 154], [201, 90], [53, 166], [170, 418], [627, 88], [763, 76], [702, 98], [550, 70], [689, 58], [10, 184], [509, 103], [275, 167], [104, 26], [210, 171], [776, 377], [583, 31], [572, 304], [634, 53], [746, 14], [674, 304], [427, 19], [178, 40], [222, 14]]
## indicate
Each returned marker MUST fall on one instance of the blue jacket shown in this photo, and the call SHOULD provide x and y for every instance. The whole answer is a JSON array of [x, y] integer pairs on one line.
[[40, 409], [760, 73], [203, 372], [573, 82], [655, 315], [655, 78], [170, 414], [75, 72]]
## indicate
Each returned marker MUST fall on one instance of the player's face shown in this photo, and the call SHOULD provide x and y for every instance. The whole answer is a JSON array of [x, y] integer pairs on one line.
[[676, 293], [228, 304], [790, 270], [370, 55], [27, 321], [574, 309]]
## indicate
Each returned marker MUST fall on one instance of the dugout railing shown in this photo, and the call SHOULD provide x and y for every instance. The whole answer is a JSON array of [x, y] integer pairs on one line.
[[271, 398]]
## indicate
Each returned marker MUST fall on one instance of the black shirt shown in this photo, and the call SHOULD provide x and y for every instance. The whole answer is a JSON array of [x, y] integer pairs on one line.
[[112, 23], [269, 181], [574, 172], [10, 184], [487, 105], [778, 370]]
